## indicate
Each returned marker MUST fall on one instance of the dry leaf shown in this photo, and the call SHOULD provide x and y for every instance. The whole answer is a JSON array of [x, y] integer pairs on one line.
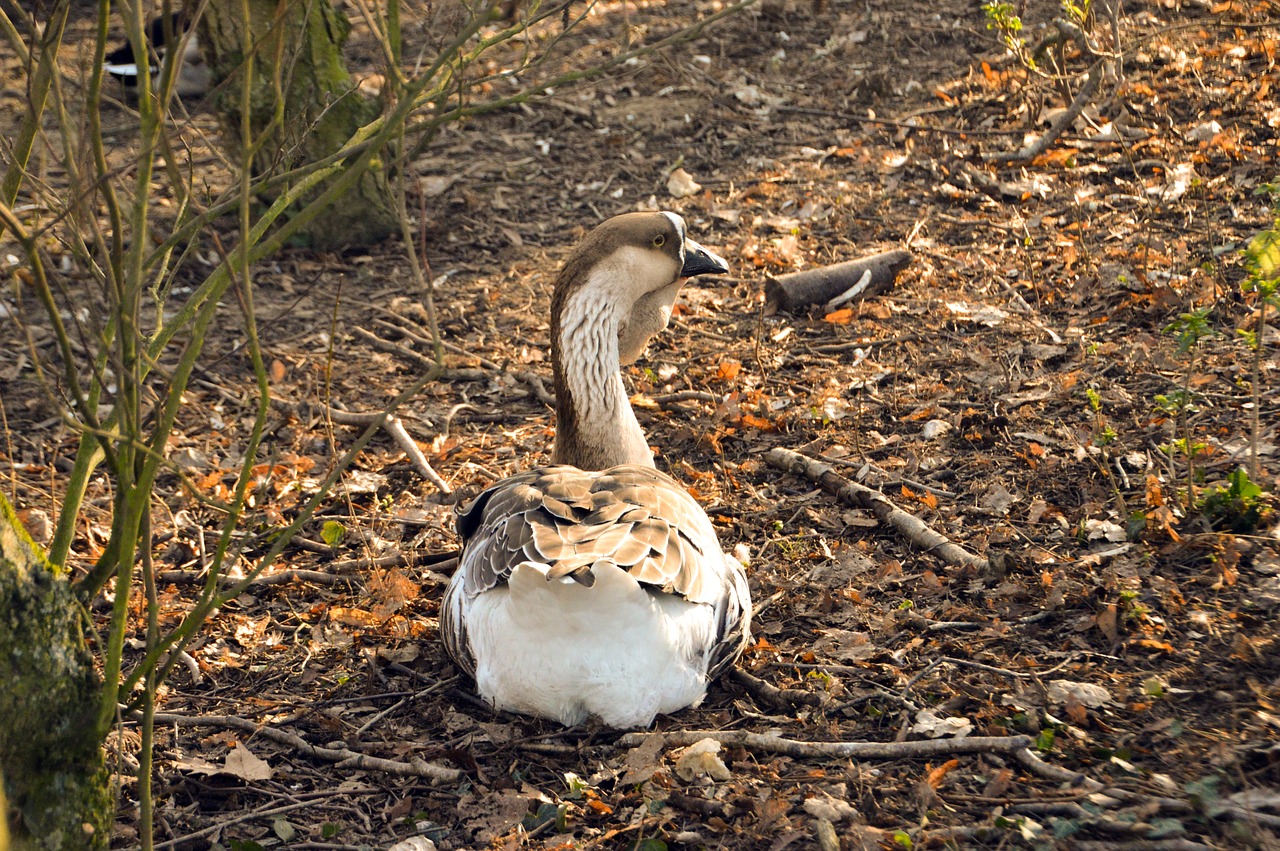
[[641, 762], [1086, 694], [1107, 622], [680, 184], [930, 723], [354, 617], [414, 843], [832, 809], [243, 764], [935, 776], [702, 758]]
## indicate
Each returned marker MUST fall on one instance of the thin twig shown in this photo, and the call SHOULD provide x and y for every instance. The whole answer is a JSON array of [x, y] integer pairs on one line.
[[535, 381], [318, 577], [344, 757], [1221, 809], [764, 743]]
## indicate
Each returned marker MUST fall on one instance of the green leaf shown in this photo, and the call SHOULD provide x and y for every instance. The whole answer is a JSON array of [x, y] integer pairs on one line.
[[281, 828], [902, 838], [332, 532], [1044, 741], [329, 830], [548, 813], [576, 784], [650, 844]]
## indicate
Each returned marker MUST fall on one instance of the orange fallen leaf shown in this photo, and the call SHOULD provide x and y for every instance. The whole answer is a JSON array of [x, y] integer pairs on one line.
[[843, 316], [728, 370], [1106, 621], [936, 775], [353, 617]]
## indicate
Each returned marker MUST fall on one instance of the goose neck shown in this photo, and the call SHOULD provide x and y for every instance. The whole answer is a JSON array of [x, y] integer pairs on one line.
[[595, 425]]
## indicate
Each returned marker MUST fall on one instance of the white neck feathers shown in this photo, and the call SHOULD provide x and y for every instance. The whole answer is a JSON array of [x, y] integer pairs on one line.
[[597, 427]]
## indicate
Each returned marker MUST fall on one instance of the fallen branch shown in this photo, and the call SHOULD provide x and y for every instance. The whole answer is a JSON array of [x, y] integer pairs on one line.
[[1099, 793], [394, 426], [436, 561], [1063, 121], [342, 756], [916, 530], [837, 284], [763, 743], [1066, 32], [777, 699]]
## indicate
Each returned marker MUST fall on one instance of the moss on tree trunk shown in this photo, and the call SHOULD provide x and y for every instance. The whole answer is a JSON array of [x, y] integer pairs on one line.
[[50, 747], [302, 103]]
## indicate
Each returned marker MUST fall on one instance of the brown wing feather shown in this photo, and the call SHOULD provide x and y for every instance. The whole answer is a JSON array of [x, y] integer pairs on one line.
[[568, 519]]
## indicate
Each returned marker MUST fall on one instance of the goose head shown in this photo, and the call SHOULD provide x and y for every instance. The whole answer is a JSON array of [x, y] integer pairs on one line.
[[639, 262], [614, 293]]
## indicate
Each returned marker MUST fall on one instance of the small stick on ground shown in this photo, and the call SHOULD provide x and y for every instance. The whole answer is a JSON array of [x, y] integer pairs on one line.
[[535, 382], [763, 743], [394, 426], [1224, 810], [344, 757], [913, 528], [282, 577], [440, 562], [840, 283]]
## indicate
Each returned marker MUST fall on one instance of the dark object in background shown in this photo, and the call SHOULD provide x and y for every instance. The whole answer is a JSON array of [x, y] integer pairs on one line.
[[193, 72]]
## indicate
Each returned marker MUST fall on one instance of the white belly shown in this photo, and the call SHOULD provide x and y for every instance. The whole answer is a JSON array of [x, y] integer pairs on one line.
[[563, 651]]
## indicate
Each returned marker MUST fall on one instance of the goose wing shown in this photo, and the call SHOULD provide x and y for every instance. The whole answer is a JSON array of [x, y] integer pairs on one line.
[[569, 519]]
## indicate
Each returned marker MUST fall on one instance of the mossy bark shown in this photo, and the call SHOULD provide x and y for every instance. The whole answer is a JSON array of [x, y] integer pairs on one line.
[[303, 105], [50, 748]]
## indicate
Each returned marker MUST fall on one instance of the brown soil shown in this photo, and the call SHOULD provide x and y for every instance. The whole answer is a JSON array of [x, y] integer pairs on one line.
[[1006, 392]]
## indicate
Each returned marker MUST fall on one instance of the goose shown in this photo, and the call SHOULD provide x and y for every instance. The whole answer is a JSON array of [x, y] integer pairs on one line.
[[193, 73], [596, 587]]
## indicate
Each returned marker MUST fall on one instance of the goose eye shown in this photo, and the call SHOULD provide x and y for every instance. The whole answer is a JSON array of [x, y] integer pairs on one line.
[[659, 241]]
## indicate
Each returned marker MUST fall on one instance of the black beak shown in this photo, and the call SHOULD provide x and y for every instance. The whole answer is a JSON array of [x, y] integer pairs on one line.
[[700, 261]]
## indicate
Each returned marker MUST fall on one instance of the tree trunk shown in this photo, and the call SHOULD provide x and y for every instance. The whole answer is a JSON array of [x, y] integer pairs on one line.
[[298, 59], [50, 747]]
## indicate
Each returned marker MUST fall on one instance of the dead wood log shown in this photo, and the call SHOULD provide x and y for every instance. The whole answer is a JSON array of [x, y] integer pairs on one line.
[[835, 285], [764, 743], [913, 528], [777, 699]]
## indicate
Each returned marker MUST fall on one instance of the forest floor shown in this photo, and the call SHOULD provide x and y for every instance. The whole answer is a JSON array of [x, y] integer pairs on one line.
[[1022, 390]]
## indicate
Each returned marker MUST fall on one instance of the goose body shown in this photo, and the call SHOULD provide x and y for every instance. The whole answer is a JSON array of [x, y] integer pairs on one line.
[[597, 587], [193, 74]]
